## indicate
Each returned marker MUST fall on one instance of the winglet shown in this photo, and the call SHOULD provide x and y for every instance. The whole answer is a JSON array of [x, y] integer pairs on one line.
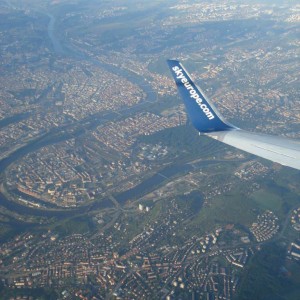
[[204, 116]]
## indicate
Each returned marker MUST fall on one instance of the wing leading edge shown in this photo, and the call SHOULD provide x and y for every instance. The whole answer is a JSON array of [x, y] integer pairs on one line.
[[206, 119]]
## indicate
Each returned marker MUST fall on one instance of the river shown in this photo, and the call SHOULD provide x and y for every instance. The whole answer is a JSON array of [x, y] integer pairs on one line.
[[51, 33], [13, 119], [157, 179], [147, 185]]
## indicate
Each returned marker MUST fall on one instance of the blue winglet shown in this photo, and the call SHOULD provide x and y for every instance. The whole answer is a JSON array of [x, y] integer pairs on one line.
[[203, 115]]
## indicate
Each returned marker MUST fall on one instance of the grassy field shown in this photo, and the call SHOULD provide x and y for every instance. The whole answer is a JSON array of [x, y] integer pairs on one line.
[[267, 200], [74, 225], [35, 293], [269, 277], [225, 209]]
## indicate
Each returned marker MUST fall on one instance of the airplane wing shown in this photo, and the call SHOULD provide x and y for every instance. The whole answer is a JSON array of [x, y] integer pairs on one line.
[[207, 120]]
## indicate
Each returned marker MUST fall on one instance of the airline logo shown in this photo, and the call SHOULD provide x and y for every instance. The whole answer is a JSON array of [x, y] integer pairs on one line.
[[193, 92]]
